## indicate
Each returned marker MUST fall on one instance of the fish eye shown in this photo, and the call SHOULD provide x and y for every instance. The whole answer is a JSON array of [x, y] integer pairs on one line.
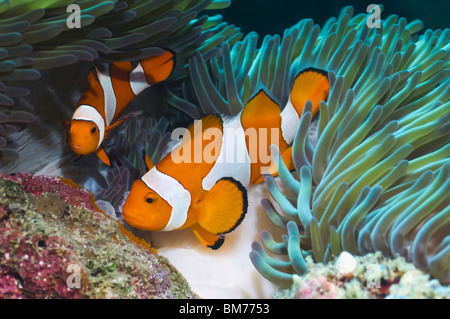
[[151, 198], [94, 129]]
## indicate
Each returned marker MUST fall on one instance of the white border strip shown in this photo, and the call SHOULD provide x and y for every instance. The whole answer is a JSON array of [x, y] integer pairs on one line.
[[138, 81], [89, 113], [290, 120], [110, 96], [171, 191], [233, 160]]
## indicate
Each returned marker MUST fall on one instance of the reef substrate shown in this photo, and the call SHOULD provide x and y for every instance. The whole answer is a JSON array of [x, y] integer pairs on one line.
[[55, 243]]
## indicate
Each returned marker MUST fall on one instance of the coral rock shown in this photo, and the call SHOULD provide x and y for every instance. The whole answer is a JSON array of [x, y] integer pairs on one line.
[[55, 243]]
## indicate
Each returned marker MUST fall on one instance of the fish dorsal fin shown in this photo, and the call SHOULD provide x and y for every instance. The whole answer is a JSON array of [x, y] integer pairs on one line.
[[224, 206], [94, 94], [310, 84], [208, 121], [197, 153], [119, 121], [103, 156], [261, 111], [196, 136], [261, 115], [159, 67]]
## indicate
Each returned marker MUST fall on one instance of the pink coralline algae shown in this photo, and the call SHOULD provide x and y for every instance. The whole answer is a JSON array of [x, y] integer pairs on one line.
[[318, 288], [54, 243], [39, 266], [38, 185]]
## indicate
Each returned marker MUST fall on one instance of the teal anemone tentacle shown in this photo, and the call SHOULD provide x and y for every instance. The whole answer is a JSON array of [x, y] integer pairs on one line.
[[294, 250], [282, 279], [304, 197], [281, 265], [438, 264], [420, 209], [279, 197], [273, 215], [348, 228], [437, 223], [324, 143], [291, 184], [272, 245], [316, 241], [390, 212], [299, 155]]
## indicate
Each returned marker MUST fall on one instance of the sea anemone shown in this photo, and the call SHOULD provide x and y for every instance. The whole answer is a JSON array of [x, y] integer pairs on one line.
[[375, 175], [371, 173]]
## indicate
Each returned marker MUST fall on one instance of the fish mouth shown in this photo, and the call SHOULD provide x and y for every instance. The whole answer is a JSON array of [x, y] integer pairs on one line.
[[138, 223], [131, 221], [79, 149]]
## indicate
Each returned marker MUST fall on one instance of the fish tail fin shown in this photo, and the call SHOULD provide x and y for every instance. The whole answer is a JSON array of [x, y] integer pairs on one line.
[[224, 207], [310, 84], [159, 67], [207, 238]]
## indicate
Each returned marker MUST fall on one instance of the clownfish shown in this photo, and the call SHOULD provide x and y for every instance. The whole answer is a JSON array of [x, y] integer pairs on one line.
[[109, 93], [209, 194]]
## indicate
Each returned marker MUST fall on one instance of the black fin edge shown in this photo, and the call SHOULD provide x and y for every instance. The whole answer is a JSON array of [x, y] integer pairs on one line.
[[266, 91], [313, 69], [218, 243], [245, 202]]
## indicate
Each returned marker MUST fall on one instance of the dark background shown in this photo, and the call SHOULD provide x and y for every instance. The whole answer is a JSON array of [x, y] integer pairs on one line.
[[273, 16]]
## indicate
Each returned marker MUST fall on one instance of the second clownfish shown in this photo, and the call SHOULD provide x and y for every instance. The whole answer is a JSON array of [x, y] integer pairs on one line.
[[208, 194], [109, 93]]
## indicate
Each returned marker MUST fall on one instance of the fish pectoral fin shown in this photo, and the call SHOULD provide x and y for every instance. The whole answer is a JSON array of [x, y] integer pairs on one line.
[[124, 118], [128, 116], [207, 238], [109, 128], [103, 156], [224, 206]]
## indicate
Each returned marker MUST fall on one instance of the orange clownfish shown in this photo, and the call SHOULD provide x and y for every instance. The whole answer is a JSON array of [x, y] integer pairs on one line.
[[207, 193], [107, 97]]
